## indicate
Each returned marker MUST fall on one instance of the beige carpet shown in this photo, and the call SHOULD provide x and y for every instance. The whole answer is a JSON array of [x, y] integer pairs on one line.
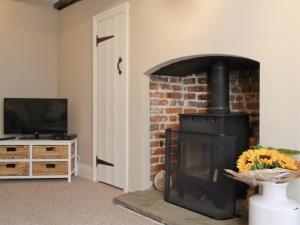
[[56, 202]]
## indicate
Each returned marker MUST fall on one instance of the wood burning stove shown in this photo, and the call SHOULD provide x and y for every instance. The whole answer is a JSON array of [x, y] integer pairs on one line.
[[206, 144]]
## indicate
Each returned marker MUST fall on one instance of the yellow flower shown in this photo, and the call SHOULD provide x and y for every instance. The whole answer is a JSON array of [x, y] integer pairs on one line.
[[246, 161], [266, 156], [287, 162], [265, 159]]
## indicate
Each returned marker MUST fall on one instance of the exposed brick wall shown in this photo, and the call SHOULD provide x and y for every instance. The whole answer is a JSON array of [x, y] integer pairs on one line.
[[170, 96], [244, 96]]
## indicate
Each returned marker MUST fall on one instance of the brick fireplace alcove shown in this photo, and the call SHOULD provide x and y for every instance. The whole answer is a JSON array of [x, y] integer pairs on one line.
[[171, 95]]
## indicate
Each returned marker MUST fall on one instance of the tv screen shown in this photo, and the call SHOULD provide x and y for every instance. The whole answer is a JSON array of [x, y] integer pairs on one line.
[[30, 116]]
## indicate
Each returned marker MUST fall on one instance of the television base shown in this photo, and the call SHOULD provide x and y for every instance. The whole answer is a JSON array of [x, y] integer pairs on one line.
[[50, 137], [64, 137], [7, 138], [36, 137]]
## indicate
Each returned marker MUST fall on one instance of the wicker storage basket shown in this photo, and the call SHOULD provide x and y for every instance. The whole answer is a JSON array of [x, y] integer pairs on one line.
[[50, 152], [49, 168], [14, 152], [14, 169]]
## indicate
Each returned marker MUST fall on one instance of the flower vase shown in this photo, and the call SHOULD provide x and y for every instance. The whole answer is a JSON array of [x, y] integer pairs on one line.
[[294, 190], [272, 206], [294, 185]]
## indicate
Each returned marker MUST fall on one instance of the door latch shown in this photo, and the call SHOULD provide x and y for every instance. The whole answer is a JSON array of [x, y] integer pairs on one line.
[[118, 65]]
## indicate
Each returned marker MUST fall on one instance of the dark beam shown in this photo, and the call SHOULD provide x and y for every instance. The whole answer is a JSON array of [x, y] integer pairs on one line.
[[61, 4]]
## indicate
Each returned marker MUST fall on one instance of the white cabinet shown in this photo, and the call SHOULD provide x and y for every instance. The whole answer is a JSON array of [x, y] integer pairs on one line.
[[23, 159]]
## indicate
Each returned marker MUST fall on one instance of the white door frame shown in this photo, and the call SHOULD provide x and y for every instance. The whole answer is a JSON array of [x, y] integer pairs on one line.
[[123, 8]]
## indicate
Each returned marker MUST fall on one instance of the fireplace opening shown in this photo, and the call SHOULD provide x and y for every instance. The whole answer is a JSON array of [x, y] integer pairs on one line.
[[209, 106]]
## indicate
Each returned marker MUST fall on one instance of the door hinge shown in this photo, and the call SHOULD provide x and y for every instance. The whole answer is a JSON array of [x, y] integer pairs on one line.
[[102, 162], [101, 39]]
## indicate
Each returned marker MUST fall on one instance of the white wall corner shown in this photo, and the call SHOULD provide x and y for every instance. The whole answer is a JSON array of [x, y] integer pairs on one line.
[[85, 171]]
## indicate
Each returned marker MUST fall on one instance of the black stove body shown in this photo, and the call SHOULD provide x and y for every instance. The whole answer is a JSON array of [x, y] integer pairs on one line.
[[206, 144]]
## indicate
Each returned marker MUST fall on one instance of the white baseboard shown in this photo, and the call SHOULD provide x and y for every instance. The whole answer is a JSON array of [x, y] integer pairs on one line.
[[85, 171]]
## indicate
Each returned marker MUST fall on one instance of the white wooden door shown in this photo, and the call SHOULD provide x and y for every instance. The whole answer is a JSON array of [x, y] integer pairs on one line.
[[111, 94]]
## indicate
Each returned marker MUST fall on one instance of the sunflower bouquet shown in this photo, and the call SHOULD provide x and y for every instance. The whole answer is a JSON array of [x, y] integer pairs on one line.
[[261, 164]]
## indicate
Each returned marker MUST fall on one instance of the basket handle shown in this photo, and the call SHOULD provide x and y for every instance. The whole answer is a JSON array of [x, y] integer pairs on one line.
[[50, 166], [11, 165], [11, 149], [50, 149]]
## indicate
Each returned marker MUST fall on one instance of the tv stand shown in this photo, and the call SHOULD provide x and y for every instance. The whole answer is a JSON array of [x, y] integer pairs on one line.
[[38, 158]]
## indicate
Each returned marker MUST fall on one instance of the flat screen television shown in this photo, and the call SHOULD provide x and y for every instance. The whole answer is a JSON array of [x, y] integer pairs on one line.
[[35, 116]]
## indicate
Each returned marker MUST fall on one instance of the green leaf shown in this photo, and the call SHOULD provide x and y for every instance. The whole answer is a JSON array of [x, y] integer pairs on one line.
[[258, 166], [281, 150], [288, 151], [258, 146], [273, 165]]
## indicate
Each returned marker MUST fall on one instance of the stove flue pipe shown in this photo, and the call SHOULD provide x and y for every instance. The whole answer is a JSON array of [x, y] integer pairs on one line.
[[219, 89]]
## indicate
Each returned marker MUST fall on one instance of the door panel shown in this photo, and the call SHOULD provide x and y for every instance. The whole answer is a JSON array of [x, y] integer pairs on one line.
[[112, 101]]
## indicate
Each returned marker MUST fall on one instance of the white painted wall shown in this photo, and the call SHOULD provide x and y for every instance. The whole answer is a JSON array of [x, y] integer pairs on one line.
[[28, 50], [264, 30]]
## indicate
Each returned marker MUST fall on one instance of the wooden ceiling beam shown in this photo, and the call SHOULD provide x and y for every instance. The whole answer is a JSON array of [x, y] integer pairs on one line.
[[61, 4]]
